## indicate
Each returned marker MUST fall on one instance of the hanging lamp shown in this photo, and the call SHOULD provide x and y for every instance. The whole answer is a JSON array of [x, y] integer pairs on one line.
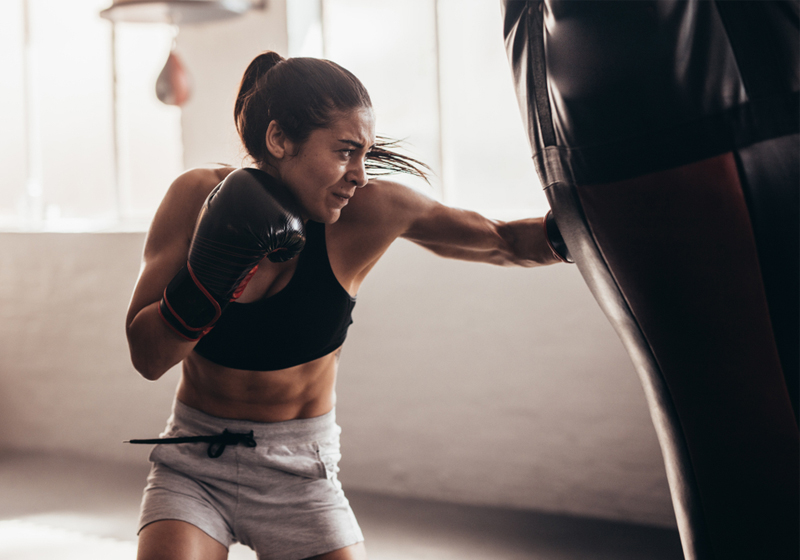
[[173, 86], [176, 12]]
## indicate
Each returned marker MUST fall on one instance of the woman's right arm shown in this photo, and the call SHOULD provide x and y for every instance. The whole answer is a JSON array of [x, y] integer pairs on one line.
[[154, 347]]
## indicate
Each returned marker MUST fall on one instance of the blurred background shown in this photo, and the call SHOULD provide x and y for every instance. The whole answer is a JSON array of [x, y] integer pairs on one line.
[[460, 384]]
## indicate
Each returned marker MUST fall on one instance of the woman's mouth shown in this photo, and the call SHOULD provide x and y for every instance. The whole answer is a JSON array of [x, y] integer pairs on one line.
[[341, 198]]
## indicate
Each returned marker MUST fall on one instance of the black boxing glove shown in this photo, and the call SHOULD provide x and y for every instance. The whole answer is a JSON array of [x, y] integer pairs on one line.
[[247, 217], [555, 240]]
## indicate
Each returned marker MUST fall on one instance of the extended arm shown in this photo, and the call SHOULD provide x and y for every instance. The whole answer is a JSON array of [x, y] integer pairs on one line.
[[475, 238], [464, 234]]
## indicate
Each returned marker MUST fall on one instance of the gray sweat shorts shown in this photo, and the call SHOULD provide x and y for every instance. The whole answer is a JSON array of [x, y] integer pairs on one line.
[[281, 498]]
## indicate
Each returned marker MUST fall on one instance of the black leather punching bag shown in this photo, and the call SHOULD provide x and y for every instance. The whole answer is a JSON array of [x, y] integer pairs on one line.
[[665, 134]]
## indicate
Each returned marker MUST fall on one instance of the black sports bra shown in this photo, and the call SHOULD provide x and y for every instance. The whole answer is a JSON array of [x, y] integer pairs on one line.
[[306, 320]]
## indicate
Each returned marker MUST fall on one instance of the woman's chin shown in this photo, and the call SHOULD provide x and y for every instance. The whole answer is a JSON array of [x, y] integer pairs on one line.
[[328, 216]]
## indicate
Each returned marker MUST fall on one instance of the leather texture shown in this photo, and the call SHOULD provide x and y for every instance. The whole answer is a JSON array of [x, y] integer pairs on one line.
[[684, 258], [247, 217], [600, 279], [770, 177], [665, 134], [635, 87]]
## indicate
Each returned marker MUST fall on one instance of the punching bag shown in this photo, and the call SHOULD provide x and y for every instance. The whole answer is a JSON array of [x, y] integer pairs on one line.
[[665, 135]]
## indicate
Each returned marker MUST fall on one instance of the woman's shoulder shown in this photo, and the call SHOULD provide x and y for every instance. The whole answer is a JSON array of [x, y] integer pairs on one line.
[[379, 200], [379, 213], [385, 207], [177, 213], [190, 189], [198, 181]]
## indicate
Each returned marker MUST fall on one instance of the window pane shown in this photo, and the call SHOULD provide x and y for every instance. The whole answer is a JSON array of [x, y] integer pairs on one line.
[[482, 159], [391, 46], [72, 99], [149, 134], [486, 152], [304, 25], [13, 136]]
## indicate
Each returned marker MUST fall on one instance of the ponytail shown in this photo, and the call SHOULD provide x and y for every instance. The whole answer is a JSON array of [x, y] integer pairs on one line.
[[248, 113], [383, 160]]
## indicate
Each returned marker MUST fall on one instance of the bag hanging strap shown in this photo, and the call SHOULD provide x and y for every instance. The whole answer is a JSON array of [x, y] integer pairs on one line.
[[539, 72]]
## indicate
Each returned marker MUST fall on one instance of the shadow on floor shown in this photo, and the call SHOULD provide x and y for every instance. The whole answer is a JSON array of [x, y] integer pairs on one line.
[[66, 507]]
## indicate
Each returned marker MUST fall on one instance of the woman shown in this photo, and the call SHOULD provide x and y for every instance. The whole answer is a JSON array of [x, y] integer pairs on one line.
[[258, 374]]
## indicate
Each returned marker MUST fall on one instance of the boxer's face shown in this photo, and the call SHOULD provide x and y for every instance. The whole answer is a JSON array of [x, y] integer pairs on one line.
[[325, 171]]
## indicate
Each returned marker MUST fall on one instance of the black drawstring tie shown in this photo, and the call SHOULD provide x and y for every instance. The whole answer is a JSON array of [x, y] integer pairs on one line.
[[217, 443]]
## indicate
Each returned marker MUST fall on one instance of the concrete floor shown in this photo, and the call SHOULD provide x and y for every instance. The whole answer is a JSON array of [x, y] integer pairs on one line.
[[64, 508]]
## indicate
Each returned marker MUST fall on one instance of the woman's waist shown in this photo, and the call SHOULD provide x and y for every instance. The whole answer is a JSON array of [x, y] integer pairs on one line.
[[187, 421], [301, 392]]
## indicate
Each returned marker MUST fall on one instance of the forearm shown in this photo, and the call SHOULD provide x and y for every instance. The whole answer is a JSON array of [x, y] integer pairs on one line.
[[462, 234], [154, 347], [468, 236], [494, 255]]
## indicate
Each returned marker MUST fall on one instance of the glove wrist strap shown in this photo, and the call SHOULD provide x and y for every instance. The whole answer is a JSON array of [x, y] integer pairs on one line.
[[187, 307], [554, 239]]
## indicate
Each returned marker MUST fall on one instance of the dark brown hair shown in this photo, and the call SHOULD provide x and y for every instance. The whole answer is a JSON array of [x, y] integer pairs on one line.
[[302, 95]]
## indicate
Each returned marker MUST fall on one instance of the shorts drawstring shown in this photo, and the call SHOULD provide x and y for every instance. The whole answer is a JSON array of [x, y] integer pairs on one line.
[[216, 443]]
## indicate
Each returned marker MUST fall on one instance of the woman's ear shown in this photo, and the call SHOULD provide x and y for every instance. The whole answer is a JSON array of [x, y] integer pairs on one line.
[[276, 140]]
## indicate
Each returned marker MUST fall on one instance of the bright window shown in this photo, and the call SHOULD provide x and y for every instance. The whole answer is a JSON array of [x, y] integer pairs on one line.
[[74, 159], [148, 132], [85, 144], [439, 79]]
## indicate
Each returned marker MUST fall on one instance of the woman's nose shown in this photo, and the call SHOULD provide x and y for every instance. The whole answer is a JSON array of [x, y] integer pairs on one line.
[[357, 174]]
